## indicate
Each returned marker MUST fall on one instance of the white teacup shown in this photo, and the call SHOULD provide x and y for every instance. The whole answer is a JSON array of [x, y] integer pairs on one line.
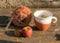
[[43, 23]]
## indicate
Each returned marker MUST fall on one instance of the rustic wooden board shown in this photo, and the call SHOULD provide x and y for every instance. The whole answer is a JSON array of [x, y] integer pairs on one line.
[[49, 36]]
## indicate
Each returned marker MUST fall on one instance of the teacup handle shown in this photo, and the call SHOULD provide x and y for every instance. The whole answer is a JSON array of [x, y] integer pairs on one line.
[[55, 19]]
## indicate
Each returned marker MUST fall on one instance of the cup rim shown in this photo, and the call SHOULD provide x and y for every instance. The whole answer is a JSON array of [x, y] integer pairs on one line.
[[38, 11]]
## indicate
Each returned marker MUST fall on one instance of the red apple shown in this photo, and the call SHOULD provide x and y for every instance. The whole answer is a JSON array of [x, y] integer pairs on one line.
[[27, 31]]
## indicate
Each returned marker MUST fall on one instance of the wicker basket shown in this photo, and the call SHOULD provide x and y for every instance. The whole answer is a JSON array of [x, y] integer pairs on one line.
[[24, 22], [23, 10]]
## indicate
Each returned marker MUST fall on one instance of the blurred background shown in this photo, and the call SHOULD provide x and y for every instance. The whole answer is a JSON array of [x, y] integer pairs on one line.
[[30, 3]]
